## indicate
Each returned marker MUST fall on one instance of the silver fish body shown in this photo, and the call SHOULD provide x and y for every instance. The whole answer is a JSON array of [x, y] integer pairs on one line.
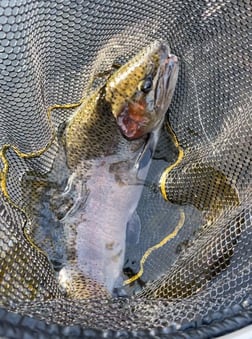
[[109, 145]]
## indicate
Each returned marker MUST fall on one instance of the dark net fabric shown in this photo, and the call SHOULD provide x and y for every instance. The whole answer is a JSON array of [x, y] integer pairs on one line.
[[49, 52]]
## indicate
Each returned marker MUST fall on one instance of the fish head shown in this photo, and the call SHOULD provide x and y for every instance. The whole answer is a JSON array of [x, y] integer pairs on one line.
[[140, 92]]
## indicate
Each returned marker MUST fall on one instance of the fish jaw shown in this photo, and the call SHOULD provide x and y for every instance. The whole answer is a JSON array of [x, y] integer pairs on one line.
[[136, 110]]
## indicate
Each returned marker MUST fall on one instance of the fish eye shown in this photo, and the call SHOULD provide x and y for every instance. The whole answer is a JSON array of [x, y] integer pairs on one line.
[[146, 85]]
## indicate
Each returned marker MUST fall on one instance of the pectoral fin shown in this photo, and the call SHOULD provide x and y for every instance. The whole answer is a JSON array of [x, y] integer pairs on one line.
[[133, 229]]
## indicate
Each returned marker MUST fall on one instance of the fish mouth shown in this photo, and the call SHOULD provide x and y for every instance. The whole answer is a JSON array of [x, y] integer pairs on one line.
[[133, 120], [144, 112], [166, 81]]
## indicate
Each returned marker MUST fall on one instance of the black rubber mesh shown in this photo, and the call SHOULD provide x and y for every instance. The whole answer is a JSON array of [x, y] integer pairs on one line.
[[49, 50]]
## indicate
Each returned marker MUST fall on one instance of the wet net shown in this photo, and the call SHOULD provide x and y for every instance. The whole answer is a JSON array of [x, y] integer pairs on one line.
[[190, 269]]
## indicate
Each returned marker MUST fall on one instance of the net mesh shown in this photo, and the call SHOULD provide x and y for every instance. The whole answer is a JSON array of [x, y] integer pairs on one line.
[[49, 53]]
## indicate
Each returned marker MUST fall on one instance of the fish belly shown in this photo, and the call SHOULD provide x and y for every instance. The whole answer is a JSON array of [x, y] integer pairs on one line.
[[100, 223]]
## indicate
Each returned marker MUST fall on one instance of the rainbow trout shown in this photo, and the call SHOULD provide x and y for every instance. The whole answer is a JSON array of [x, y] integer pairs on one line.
[[109, 142]]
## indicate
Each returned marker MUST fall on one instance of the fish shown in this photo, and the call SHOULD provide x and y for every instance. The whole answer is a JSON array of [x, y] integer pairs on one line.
[[109, 142]]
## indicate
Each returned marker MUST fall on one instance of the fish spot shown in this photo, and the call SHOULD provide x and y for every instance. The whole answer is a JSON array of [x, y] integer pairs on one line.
[[110, 245], [117, 256]]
